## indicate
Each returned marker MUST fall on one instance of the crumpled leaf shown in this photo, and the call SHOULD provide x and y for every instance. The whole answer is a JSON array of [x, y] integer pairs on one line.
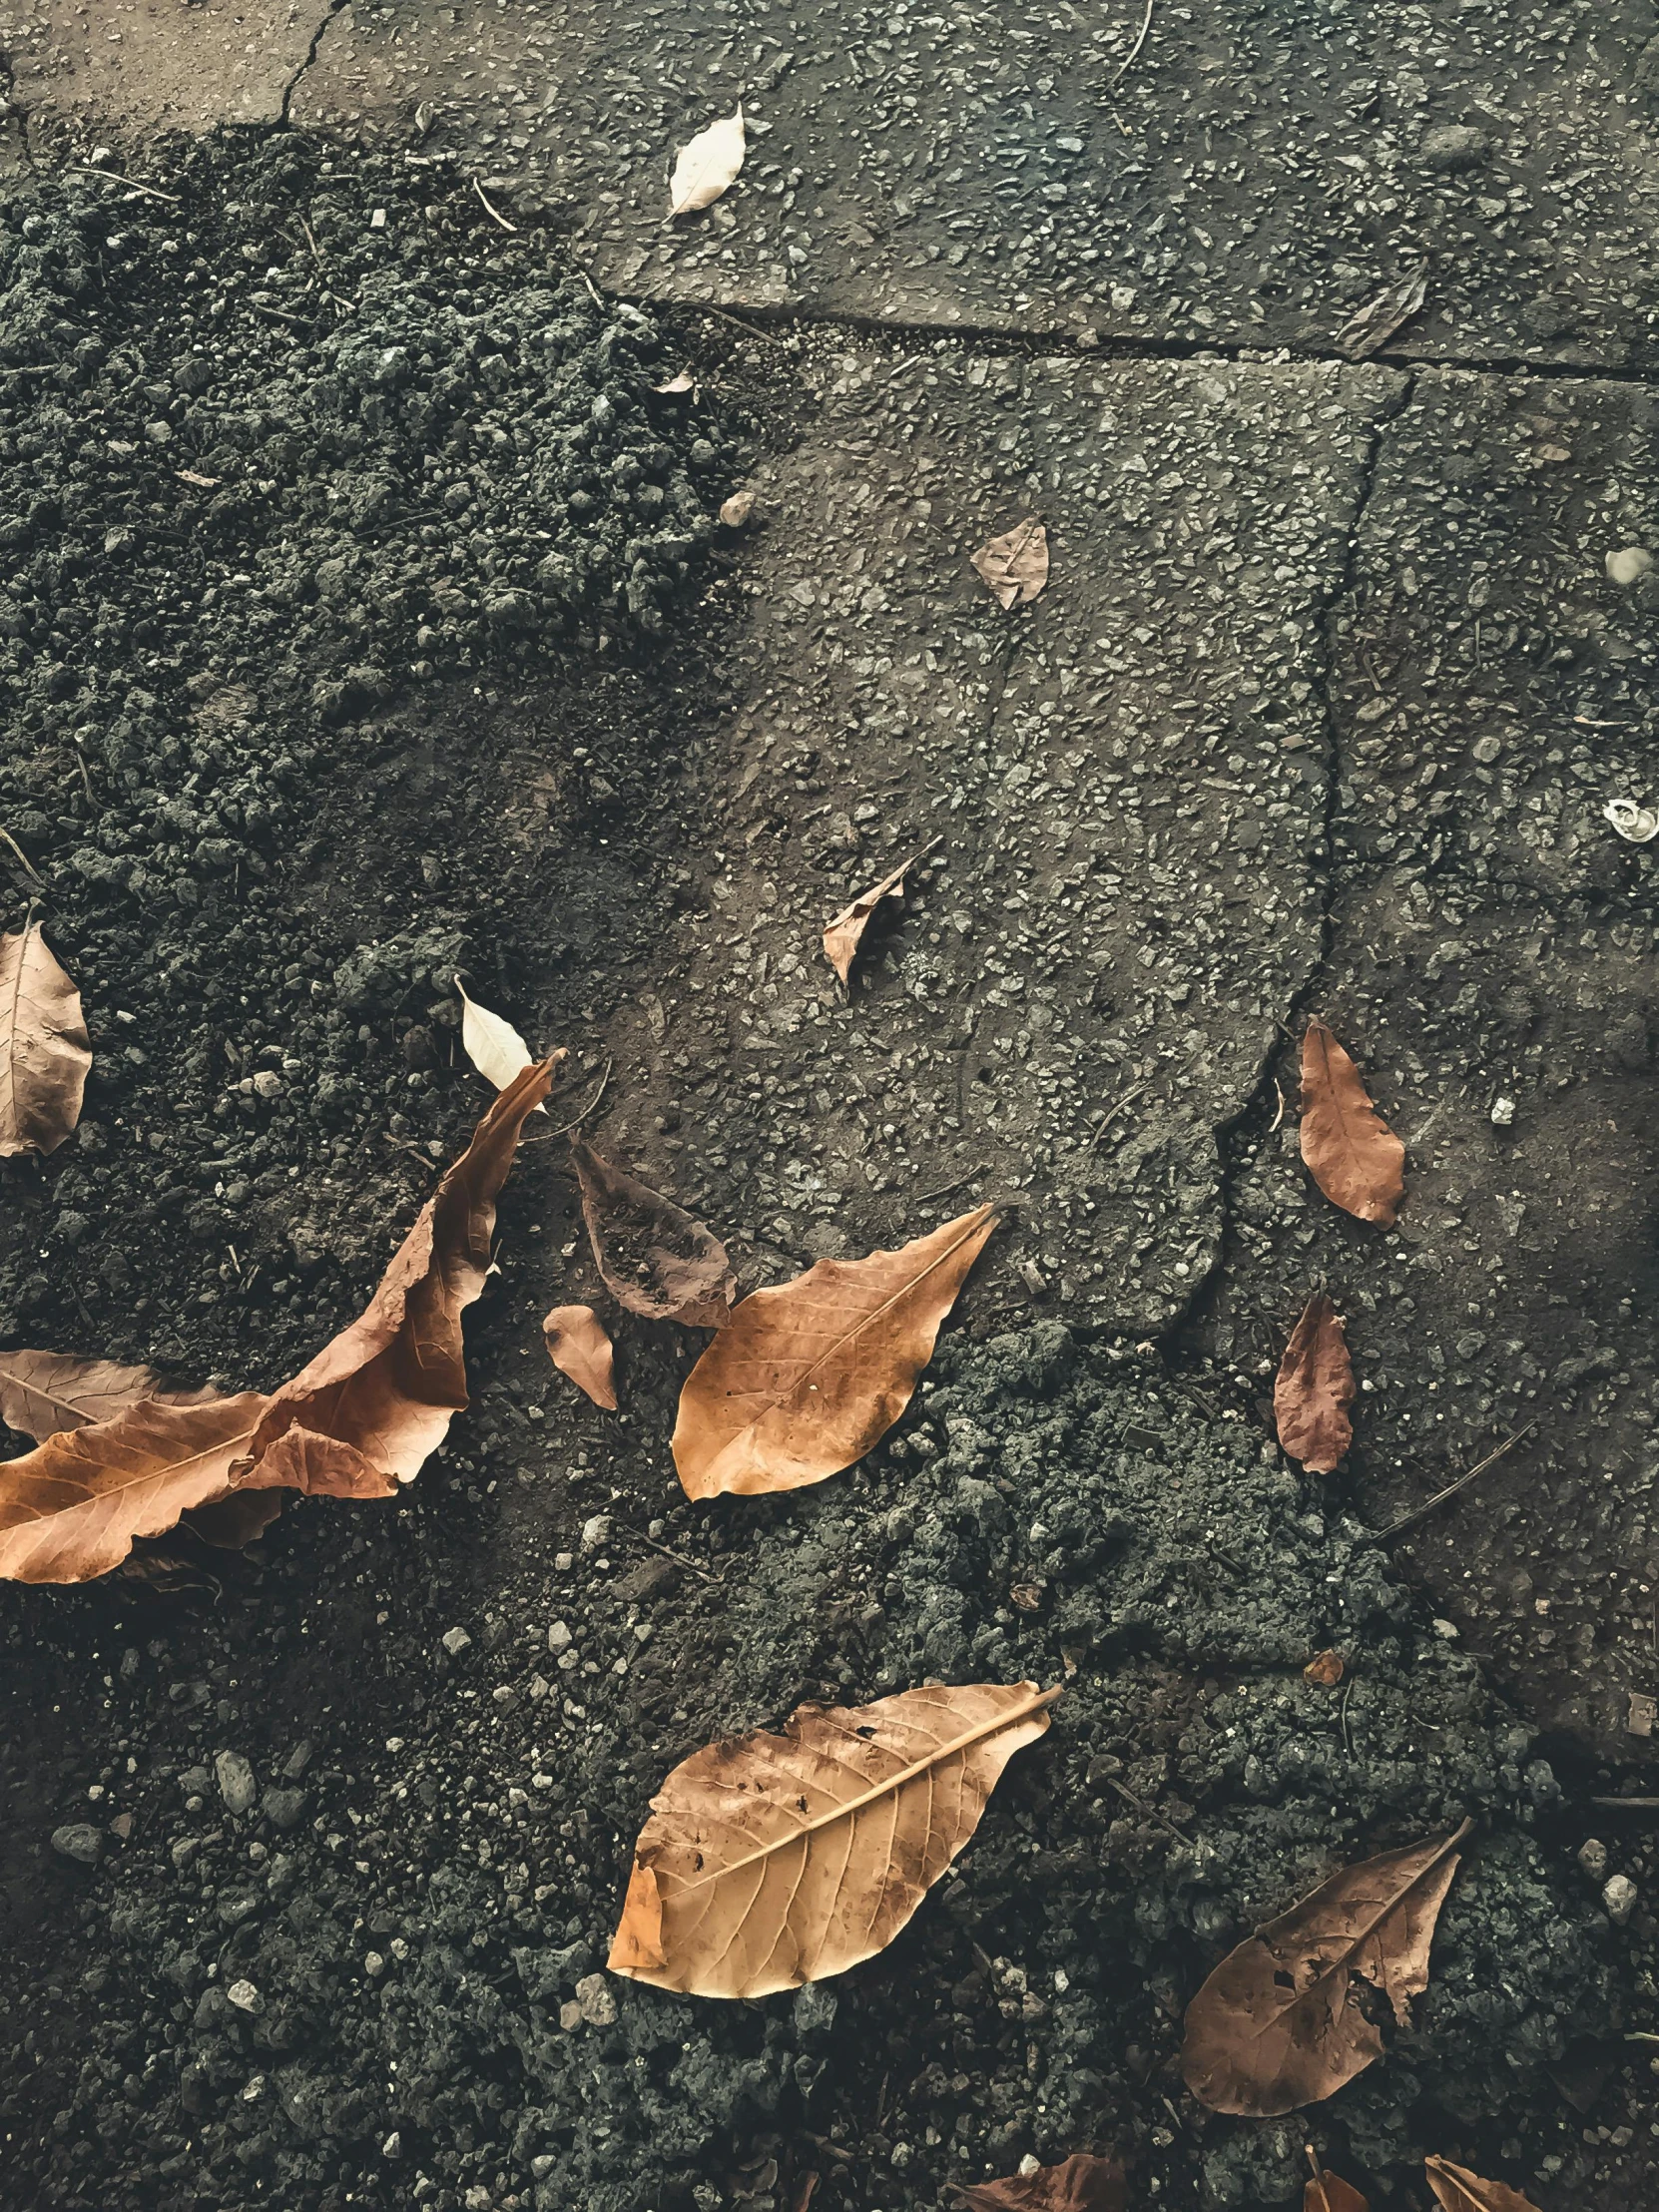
[[1314, 1388], [805, 1377], [1636, 824], [1328, 2192], [1350, 1150], [42, 1393], [70, 1508], [578, 1347], [770, 1861], [1279, 2023], [1326, 1668], [1078, 2184], [363, 1416], [708, 165], [653, 1258], [491, 1043], [844, 935], [44, 1052], [1381, 315], [1461, 2191], [1016, 565]]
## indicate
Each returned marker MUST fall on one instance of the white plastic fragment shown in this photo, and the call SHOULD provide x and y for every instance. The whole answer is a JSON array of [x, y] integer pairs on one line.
[[1636, 824]]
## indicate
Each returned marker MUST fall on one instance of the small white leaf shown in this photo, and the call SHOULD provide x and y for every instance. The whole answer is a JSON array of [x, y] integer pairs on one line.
[[708, 165], [494, 1046]]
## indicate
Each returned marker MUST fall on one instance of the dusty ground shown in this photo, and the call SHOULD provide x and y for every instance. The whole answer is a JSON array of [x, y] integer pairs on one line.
[[451, 666]]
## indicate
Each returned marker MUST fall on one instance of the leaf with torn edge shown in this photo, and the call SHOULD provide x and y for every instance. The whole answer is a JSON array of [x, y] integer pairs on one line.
[[1078, 2184], [844, 935], [1350, 1150], [1328, 2192], [44, 1053], [653, 1258], [1461, 2191], [1016, 565], [770, 1861], [42, 1393], [708, 165], [491, 1043], [363, 1416], [578, 1347], [1279, 2023], [805, 1377], [70, 1508], [1314, 1388], [1389, 311]]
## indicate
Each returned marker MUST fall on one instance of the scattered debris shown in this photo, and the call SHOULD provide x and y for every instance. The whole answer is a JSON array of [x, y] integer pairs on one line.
[[1079, 2183]]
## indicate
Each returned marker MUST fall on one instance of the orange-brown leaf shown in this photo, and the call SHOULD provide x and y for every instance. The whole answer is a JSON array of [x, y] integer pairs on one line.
[[70, 1508], [42, 1393], [844, 935], [1279, 2023], [1078, 2184], [363, 1416], [578, 1347], [804, 1378], [1461, 2191], [44, 1052], [1314, 1388], [1324, 1668], [1351, 1151], [1016, 565], [770, 1861], [653, 1258], [1329, 2193]]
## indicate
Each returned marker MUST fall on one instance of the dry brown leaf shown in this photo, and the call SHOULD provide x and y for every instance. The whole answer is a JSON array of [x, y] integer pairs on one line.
[[1326, 1668], [844, 935], [70, 1508], [578, 1347], [167, 1573], [43, 1393], [1279, 2023], [491, 1043], [1381, 315], [653, 1258], [1016, 565], [1078, 2184], [804, 1378], [708, 165], [1328, 2192], [44, 1053], [366, 1411], [1461, 2191], [770, 1861], [1314, 1388], [736, 511], [1351, 1151]]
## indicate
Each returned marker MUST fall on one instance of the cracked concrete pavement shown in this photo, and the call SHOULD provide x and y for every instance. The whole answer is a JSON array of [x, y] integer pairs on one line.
[[1319, 710]]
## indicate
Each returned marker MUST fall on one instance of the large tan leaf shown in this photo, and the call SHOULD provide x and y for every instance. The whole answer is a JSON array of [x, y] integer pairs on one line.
[[1461, 2191], [1015, 566], [844, 935], [491, 1043], [1351, 1151], [708, 165], [1279, 2023], [1314, 1388], [804, 1378], [769, 1860], [578, 1347], [70, 1508], [653, 1258], [44, 1052], [366, 1411], [42, 1393], [1078, 2184]]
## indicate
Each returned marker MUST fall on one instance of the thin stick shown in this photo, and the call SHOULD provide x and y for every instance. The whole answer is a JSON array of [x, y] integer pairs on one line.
[[1133, 54], [85, 776], [1111, 1114], [1418, 1512], [593, 289], [749, 328], [945, 1190], [1319, 2177], [679, 1557], [23, 857], [1279, 1116], [77, 168], [1626, 1804], [494, 214], [586, 1110], [1141, 1806]]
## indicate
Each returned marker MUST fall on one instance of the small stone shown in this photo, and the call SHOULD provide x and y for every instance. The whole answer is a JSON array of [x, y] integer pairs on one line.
[[559, 1637], [455, 1641], [283, 1807], [236, 1782], [570, 2015], [1644, 1711], [374, 1963], [1503, 1112], [595, 1531], [1592, 1857], [736, 511], [563, 1561], [594, 2000], [392, 2147], [78, 1840], [1628, 564], [1453, 146], [243, 1996], [1619, 1897], [1446, 1631]]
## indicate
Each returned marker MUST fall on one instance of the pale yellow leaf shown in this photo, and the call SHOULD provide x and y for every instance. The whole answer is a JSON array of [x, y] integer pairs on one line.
[[708, 165]]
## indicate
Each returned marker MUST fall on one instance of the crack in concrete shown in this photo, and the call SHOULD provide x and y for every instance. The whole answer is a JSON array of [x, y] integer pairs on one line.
[[289, 90]]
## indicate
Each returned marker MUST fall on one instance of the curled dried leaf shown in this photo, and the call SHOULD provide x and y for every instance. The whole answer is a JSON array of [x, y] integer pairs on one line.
[[804, 1378], [1461, 2191], [1351, 1151], [1015, 566], [655, 1259], [1314, 1388], [1326, 1668], [363, 1416], [708, 165], [45, 1055], [770, 1861], [491, 1043], [1279, 2023], [844, 935], [1078, 2184], [578, 1347]]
